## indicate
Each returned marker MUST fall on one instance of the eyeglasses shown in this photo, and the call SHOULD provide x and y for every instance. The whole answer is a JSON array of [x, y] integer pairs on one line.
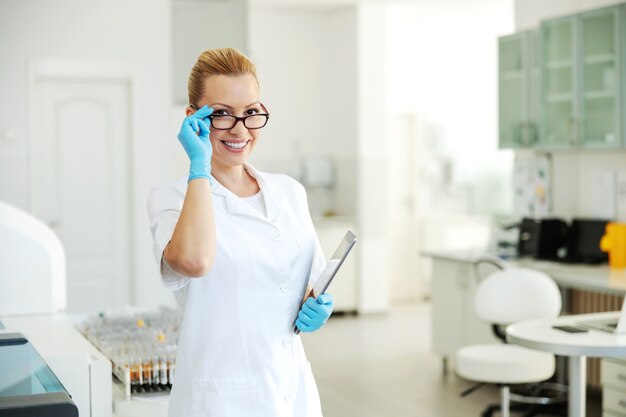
[[227, 122]]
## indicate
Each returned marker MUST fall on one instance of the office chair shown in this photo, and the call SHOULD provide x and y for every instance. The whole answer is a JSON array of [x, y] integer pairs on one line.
[[503, 297], [33, 277]]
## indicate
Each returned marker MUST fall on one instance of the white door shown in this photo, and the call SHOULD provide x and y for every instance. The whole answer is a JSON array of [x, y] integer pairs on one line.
[[80, 183]]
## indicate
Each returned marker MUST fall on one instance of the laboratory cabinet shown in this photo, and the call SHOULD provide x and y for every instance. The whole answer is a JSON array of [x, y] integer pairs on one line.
[[519, 89], [613, 373], [570, 84], [601, 89], [581, 91], [558, 91]]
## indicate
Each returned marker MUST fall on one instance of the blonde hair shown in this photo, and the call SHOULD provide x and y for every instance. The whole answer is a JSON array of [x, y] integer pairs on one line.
[[222, 61]]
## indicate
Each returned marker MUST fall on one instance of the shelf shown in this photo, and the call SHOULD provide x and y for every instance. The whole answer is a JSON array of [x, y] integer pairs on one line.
[[565, 63], [560, 98], [511, 75], [599, 59], [599, 94]]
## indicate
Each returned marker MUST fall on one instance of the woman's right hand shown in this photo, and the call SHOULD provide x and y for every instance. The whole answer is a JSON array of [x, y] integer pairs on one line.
[[194, 136]]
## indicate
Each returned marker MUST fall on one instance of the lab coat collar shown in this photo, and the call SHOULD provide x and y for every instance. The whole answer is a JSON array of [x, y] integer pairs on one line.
[[272, 197]]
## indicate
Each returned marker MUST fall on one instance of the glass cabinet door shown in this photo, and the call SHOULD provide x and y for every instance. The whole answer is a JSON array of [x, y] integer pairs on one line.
[[513, 90], [599, 80], [559, 125]]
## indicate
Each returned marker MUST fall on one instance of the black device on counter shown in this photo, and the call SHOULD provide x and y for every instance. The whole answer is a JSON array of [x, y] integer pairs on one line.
[[543, 238], [28, 387], [583, 242]]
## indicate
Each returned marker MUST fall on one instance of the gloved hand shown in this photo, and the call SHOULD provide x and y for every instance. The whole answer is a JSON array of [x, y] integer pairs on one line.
[[314, 313], [194, 136]]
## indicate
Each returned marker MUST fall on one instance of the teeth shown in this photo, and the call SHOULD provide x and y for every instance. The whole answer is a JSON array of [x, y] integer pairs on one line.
[[235, 145]]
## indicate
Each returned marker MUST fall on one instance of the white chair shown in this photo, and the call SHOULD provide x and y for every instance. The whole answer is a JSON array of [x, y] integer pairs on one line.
[[32, 265], [504, 297]]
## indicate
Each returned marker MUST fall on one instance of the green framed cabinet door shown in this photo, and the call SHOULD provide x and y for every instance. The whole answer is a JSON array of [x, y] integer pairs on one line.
[[600, 86], [516, 84], [559, 104]]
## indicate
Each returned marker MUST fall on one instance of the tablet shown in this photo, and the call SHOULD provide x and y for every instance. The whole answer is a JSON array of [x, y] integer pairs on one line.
[[570, 329], [331, 268]]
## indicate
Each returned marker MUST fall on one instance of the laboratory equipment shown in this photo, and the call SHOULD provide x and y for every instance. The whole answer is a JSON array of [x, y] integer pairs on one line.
[[543, 238], [583, 241], [33, 277], [141, 346], [28, 387]]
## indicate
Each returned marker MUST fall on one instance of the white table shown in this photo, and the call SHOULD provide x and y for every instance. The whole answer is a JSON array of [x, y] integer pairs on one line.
[[539, 334]]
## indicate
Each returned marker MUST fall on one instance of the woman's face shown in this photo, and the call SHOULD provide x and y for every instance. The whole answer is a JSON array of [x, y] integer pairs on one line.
[[235, 96]]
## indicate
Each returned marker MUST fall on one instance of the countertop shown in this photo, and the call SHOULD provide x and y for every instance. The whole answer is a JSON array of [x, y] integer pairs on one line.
[[582, 276]]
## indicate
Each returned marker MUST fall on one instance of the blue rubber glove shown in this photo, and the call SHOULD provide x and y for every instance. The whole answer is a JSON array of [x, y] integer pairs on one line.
[[314, 313], [194, 136]]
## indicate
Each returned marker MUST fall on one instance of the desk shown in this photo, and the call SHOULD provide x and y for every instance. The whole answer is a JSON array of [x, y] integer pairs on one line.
[[539, 334], [454, 322]]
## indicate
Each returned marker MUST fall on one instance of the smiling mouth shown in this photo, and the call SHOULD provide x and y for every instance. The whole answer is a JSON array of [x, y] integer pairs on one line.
[[235, 145]]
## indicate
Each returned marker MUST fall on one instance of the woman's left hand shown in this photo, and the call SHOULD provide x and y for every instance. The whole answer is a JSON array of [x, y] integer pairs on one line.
[[314, 313]]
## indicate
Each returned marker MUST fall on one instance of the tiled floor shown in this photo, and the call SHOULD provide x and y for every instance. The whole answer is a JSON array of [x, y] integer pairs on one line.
[[382, 365]]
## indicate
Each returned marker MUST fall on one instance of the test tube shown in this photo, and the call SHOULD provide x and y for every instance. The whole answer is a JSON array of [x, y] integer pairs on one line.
[[134, 374], [140, 369], [147, 371], [156, 371], [163, 372], [171, 370]]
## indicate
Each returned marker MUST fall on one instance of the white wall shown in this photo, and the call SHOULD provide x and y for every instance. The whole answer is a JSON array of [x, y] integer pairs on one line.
[[574, 193], [198, 25], [442, 68], [571, 193], [306, 65], [339, 76], [133, 34], [286, 46], [324, 85], [373, 159]]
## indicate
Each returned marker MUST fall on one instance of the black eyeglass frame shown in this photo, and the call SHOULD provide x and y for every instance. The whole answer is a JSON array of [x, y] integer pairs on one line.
[[237, 119]]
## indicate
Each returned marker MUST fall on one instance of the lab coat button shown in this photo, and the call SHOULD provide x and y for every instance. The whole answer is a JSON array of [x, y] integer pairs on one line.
[[284, 288], [286, 342], [287, 397], [276, 236]]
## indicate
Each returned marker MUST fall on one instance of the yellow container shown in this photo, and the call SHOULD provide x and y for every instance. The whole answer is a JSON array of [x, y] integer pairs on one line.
[[614, 242]]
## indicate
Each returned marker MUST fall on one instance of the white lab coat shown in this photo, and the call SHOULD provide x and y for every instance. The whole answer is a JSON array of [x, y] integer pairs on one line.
[[237, 354]]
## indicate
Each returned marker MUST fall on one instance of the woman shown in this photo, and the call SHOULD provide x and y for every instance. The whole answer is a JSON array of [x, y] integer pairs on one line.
[[239, 250]]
